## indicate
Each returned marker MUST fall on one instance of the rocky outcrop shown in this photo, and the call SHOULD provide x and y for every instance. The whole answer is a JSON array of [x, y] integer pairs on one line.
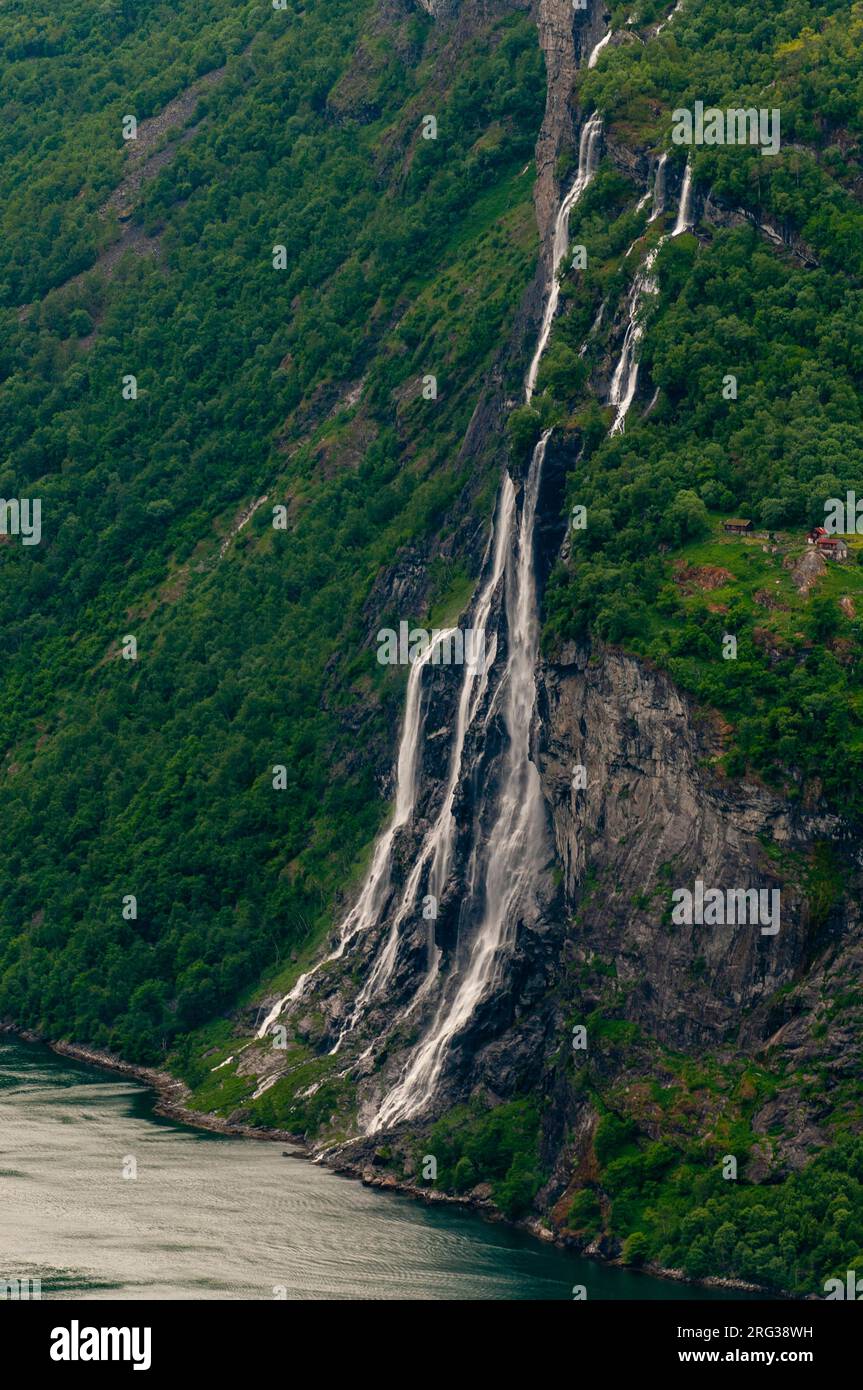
[[654, 817]]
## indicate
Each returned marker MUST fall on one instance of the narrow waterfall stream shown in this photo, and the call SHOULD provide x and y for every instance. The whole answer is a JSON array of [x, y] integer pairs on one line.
[[366, 911], [591, 62], [658, 207], [625, 380], [666, 22], [684, 211], [587, 148]]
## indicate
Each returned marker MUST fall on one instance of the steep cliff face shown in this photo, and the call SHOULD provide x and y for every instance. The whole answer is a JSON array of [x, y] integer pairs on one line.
[[652, 817]]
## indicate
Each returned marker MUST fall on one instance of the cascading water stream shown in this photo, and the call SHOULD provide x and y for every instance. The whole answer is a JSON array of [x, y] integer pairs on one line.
[[376, 886], [592, 60], [587, 148], [504, 866], [625, 380], [684, 211], [658, 207], [666, 22], [436, 850], [502, 870], [515, 843]]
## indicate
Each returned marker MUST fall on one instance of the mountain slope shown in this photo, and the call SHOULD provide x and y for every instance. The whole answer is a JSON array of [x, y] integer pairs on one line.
[[233, 777], [154, 777]]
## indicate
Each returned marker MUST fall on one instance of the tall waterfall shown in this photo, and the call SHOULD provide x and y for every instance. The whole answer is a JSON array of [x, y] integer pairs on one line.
[[588, 146], [504, 852], [503, 864], [625, 379], [436, 852], [503, 869], [377, 884]]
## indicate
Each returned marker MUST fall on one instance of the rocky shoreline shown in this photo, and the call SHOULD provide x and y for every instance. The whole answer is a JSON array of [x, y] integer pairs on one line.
[[172, 1094], [532, 1226]]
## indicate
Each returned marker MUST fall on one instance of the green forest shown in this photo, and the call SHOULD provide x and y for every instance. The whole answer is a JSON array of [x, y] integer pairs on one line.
[[153, 778]]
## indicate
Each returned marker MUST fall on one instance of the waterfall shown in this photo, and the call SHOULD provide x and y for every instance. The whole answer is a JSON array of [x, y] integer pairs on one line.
[[684, 211], [508, 833], [594, 328], [588, 146], [503, 867], [660, 27], [659, 188], [625, 380], [436, 851], [377, 884], [591, 62], [514, 848]]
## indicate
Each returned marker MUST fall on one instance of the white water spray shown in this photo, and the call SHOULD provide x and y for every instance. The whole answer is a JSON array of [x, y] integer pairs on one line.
[[666, 22], [436, 851], [592, 60], [502, 875], [625, 380], [659, 188], [376, 886], [588, 147], [684, 211], [515, 844]]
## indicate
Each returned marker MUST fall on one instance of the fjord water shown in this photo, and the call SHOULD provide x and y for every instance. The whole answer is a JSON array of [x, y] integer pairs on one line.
[[210, 1217]]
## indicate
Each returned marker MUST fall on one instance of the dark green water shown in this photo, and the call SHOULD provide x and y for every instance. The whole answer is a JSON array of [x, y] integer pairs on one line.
[[209, 1217]]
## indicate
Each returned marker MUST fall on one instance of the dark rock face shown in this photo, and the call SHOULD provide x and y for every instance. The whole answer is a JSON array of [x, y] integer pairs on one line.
[[566, 37], [653, 818]]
